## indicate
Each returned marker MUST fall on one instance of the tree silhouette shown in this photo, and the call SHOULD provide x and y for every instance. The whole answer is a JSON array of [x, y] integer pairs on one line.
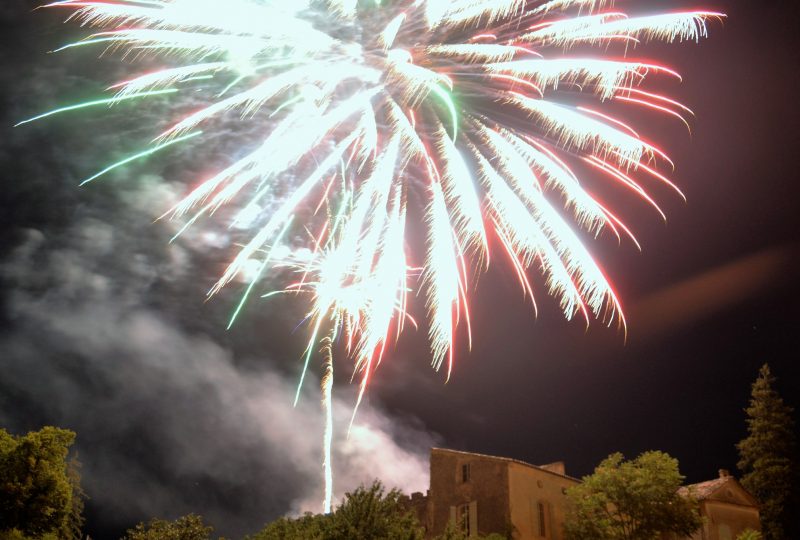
[[766, 455]]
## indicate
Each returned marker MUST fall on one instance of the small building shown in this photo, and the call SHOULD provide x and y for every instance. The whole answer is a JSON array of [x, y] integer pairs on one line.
[[486, 494], [727, 508]]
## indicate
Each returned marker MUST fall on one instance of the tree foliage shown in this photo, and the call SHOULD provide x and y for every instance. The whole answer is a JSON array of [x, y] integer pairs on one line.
[[452, 532], [631, 500], [766, 455], [368, 513], [371, 512], [309, 526], [40, 491], [72, 527], [749, 534], [189, 527]]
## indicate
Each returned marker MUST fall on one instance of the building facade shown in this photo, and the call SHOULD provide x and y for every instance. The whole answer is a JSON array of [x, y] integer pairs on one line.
[[727, 508], [485, 494]]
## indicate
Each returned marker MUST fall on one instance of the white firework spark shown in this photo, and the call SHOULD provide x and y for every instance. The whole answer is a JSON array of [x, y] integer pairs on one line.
[[363, 99]]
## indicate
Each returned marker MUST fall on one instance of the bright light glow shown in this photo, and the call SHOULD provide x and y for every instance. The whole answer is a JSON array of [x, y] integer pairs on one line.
[[368, 107]]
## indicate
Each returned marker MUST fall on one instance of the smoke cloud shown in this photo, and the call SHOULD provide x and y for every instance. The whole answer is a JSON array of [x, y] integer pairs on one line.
[[105, 329], [172, 417]]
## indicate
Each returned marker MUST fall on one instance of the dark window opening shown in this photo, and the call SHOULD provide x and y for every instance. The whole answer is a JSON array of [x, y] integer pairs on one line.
[[465, 472], [542, 524]]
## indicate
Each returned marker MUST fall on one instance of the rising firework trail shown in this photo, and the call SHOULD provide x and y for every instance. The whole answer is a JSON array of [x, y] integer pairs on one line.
[[478, 107]]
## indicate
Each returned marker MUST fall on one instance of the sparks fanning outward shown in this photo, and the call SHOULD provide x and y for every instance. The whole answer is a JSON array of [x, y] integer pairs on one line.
[[480, 105]]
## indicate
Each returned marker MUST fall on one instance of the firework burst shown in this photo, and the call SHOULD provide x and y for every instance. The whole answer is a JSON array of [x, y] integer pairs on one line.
[[484, 103]]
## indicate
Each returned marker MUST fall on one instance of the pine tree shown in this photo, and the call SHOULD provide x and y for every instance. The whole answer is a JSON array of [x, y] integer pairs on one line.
[[766, 455]]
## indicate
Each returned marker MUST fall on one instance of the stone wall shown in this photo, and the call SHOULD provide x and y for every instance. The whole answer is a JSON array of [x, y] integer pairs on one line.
[[486, 485]]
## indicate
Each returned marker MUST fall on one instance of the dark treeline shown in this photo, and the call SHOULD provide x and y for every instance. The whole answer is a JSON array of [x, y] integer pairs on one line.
[[41, 496]]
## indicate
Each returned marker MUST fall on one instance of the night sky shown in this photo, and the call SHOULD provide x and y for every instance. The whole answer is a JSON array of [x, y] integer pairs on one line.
[[104, 328]]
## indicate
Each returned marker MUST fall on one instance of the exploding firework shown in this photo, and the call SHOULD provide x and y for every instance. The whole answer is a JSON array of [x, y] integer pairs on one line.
[[478, 107]]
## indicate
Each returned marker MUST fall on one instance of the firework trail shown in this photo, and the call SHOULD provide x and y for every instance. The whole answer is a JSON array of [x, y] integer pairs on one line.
[[485, 104]]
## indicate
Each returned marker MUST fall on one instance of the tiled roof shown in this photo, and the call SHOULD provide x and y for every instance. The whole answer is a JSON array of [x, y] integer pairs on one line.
[[703, 490]]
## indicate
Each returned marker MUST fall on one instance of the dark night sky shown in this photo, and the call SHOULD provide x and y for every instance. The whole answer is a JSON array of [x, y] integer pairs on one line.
[[103, 328]]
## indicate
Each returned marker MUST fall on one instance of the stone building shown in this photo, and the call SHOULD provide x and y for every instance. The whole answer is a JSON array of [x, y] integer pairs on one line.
[[727, 508], [486, 494]]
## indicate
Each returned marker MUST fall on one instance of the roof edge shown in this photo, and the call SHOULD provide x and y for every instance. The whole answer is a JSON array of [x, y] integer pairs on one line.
[[505, 459], [721, 482]]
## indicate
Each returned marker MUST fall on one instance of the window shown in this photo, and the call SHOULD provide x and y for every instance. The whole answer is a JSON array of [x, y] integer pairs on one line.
[[542, 519], [464, 519], [465, 473], [541, 509]]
